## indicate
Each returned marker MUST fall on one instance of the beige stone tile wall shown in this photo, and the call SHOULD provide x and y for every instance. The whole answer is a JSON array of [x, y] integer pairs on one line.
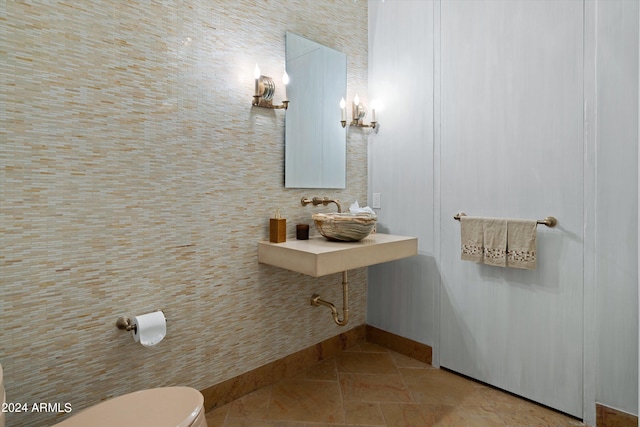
[[134, 176]]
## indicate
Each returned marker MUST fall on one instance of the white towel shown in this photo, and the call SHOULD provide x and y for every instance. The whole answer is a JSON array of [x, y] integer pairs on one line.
[[495, 241], [521, 243], [471, 238]]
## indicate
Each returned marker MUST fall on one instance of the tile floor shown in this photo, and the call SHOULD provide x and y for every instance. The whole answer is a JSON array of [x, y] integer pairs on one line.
[[368, 385]]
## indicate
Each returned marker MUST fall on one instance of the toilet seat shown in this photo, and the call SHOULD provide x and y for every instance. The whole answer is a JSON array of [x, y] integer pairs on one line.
[[159, 407]]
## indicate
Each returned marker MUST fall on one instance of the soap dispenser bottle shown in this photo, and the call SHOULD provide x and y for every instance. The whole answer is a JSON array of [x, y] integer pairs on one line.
[[277, 228]]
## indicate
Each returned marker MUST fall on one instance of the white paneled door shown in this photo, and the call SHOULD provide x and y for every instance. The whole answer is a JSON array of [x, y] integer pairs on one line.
[[512, 146]]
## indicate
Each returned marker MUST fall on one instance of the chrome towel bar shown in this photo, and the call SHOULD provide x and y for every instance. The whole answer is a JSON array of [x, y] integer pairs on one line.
[[549, 221]]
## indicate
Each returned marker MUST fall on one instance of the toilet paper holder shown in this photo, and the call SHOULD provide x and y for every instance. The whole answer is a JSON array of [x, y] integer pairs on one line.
[[125, 324]]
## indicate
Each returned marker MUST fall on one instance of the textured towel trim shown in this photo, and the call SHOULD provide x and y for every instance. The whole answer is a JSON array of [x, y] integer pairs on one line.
[[521, 255], [521, 244], [473, 251], [471, 239], [495, 255]]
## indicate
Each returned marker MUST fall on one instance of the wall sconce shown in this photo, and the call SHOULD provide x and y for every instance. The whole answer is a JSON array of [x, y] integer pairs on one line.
[[358, 113], [265, 88]]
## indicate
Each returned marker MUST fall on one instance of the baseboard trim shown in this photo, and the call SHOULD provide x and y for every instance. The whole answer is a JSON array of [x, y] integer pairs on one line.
[[410, 348], [234, 388], [610, 417]]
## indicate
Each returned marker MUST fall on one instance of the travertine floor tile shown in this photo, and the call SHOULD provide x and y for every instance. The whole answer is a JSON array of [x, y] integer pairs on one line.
[[218, 416], [402, 361], [359, 413], [248, 422], [370, 386], [303, 400], [253, 405], [374, 388], [439, 387], [420, 415], [519, 412]]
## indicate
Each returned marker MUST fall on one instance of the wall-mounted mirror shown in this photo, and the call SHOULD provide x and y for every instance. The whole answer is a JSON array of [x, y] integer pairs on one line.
[[315, 141]]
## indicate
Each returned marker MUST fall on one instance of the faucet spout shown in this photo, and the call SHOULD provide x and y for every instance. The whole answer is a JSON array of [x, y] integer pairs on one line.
[[321, 201], [325, 201]]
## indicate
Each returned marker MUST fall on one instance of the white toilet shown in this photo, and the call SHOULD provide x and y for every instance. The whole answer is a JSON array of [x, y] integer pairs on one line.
[[158, 407], [3, 398]]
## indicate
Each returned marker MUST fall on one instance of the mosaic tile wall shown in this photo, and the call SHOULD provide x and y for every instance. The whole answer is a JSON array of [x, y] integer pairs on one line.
[[134, 176]]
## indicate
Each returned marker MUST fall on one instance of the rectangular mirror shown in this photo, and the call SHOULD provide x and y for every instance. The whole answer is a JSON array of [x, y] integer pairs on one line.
[[315, 141]]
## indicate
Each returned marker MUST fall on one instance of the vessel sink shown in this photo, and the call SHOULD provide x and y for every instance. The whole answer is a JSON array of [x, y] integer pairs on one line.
[[345, 227]]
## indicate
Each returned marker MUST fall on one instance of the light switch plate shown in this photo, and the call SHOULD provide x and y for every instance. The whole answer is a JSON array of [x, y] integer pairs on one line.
[[376, 201]]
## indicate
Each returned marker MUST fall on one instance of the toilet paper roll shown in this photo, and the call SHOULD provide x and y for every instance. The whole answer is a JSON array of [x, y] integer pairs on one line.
[[150, 329]]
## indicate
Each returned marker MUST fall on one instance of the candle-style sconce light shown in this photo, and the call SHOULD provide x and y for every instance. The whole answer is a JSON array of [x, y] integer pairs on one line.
[[343, 112], [358, 113], [265, 88]]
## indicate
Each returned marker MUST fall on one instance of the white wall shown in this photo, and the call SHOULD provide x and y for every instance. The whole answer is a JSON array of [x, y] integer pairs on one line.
[[405, 167], [401, 295], [616, 204]]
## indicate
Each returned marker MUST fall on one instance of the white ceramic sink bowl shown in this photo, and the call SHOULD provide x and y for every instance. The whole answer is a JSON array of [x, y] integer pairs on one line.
[[345, 227]]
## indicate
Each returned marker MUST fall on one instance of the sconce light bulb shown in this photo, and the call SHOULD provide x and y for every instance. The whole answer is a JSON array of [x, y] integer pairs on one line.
[[343, 103], [256, 72], [285, 78], [374, 105], [356, 99]]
